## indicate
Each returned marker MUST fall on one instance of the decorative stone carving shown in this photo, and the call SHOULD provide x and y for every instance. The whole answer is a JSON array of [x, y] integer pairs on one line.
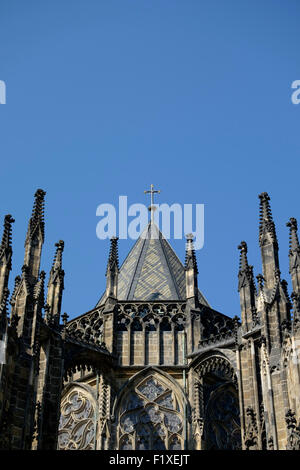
[[150, 315], [216, 328], [150, 417], [87, 329], [77, 424], [251, 431], [271, 443], [217, 364], [293, 441]]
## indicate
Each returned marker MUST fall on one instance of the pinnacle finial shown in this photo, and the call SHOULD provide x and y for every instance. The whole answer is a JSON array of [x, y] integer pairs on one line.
[[6, 238], [56, 283], [190, 256], [57, 262], [113, 257], [266, 223], [260, 281], [245, 270], [37, 217], [296, 305], [294, 241], [189, 237], [38, 207], [243, 256], [64, 318]]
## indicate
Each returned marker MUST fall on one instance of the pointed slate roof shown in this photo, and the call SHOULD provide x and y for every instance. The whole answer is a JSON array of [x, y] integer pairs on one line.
[[152, 271]]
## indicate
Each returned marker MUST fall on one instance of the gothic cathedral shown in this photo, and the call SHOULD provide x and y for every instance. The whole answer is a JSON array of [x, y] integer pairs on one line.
[[152, 365]]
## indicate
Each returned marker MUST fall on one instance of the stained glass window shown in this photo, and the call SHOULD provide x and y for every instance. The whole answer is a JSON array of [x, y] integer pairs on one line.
[[222, 422], [150, 417], [76, 426]]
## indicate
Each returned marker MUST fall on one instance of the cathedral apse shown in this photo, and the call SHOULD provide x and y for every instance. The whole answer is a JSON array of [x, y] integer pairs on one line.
[[151, 365]]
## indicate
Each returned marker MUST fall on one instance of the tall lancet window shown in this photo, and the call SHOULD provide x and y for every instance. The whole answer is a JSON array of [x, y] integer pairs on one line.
[[77, 421], [222, 429], [150, 417]]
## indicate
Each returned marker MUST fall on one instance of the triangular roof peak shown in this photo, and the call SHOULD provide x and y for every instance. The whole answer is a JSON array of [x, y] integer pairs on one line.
[[152, 270]]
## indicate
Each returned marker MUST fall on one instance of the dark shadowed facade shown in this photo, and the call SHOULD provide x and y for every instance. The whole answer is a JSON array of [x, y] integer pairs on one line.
[[152, 365]]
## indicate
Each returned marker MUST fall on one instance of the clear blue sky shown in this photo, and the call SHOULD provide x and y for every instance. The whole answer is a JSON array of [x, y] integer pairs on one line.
[[105, 97]]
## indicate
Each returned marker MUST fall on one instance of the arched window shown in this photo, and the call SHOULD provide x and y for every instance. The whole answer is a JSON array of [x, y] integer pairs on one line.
[[220, 404], [222, 428], [77, 421], [150, 417]]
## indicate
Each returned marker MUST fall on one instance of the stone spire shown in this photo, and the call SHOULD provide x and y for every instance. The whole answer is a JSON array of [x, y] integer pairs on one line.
[[191, 271], [275, 295], [56, 284], [246, 288], [5, 254], [294, 255], [38, 305], [296, 307], [294, 241], [112, 269], [3, 315], [266, 223], [39, 290], [190, 256], [35, 236], [26, 299], [268, 242]]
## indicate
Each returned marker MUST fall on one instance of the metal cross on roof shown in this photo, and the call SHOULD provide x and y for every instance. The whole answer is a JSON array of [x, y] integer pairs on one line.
[[152, 207], [152, 192]]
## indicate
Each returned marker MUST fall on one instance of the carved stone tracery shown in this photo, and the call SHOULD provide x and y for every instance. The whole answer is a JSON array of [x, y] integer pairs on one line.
[[150, 315], [87, 329], [251, 431], [77, 421], [293, 441], [150, 417]]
